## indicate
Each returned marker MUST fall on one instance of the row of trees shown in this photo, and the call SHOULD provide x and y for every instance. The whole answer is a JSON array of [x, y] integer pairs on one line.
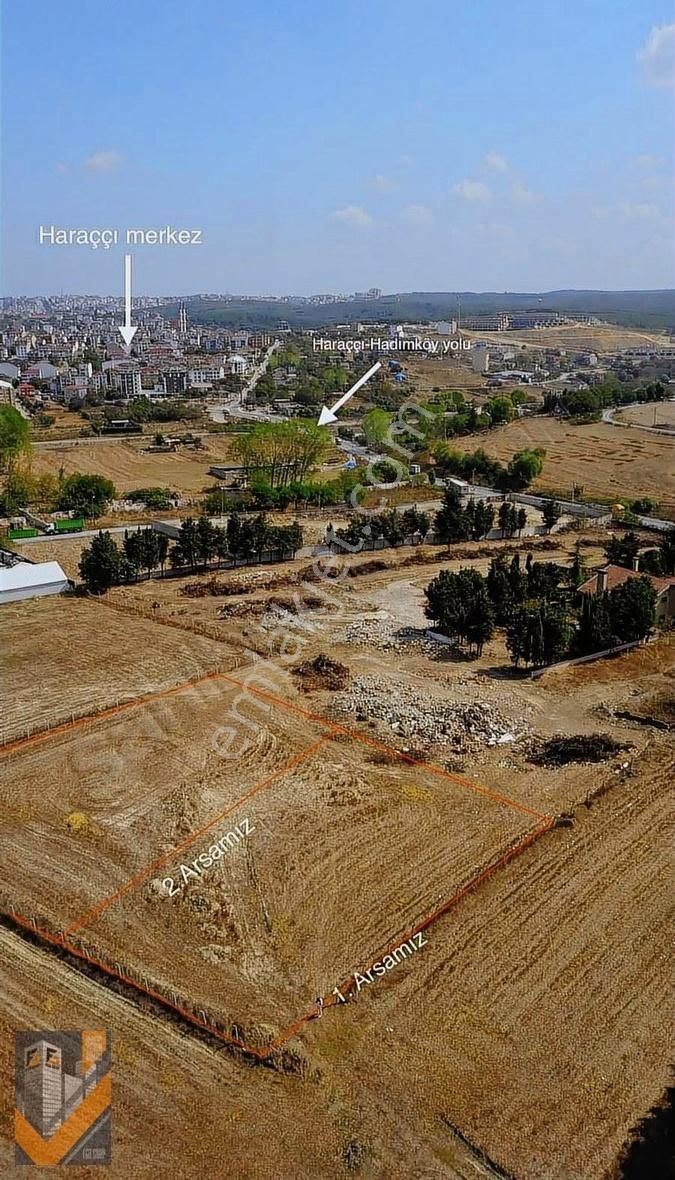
[[522, 468], [104, 563], [659, 560], [588, 404], [392, 526], [85, 495]]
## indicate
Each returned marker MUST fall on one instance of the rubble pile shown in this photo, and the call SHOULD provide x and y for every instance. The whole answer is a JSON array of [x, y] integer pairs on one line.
[[387, 634], [463, 725]]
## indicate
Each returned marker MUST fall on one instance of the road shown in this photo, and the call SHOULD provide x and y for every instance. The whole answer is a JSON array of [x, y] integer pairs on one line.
[[234, 406], [610, 412]]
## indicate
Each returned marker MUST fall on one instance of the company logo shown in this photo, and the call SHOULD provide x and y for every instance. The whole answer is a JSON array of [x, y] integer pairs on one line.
[[62, 1096]]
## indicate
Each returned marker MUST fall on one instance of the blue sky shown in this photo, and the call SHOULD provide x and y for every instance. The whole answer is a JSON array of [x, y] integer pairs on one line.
[[427, 146]]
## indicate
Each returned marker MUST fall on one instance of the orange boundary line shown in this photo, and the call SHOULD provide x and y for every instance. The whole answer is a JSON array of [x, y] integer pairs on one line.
[[335, 727], [329, 1001], [98, 909]]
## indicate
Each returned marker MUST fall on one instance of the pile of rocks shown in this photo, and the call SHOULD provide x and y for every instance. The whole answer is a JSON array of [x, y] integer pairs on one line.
[[386, 634], [463, 725]]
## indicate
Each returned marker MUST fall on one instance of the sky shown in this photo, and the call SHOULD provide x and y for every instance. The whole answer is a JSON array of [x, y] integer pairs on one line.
[[331, 148]]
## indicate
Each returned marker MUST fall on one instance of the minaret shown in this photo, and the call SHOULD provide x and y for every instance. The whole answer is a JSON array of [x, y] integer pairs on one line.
[[182, 319]]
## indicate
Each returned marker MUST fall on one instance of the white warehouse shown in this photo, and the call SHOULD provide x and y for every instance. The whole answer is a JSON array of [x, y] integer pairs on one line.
[[26, 580]]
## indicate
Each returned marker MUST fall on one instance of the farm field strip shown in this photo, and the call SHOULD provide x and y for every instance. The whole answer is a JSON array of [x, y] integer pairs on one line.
[[62, 942]]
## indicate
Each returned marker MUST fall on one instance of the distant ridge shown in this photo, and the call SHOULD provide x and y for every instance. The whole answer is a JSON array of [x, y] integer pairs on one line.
[[636, 309]]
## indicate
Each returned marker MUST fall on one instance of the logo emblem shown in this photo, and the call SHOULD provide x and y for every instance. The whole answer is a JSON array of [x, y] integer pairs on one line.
[[62, 1112]]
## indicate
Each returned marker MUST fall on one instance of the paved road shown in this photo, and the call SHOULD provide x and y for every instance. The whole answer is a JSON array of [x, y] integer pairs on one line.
[[234, 406]]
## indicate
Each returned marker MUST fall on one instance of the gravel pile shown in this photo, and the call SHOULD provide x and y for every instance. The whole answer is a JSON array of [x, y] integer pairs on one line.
[[464, 725], [386, 634]]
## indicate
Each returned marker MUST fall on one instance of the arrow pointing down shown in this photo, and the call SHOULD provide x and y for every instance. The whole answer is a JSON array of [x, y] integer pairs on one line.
[[330, 415], [127, 331]]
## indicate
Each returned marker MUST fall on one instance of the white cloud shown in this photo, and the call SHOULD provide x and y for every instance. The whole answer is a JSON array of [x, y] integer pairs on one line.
[[648, 161], [496, 162], [417, 215], [638, 212], [104, 161], [472, 190], [657, 56], [522, 194], [383, 184], [353, 215]]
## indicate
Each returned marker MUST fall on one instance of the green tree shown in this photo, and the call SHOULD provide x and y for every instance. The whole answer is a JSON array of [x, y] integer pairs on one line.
[[459, 606], [376, 426], [623, 550], [14, 436], [451, 522], [551, 512], [86, 495], [631, 609], [101, 564], [525, 466]]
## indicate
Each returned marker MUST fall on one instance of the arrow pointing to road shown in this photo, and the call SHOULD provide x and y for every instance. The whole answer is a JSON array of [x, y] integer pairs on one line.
[[128, 332], [330, 415]]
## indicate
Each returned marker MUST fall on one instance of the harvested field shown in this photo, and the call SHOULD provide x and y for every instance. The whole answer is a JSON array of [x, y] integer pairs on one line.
[[593, 337], [655, 414], [532, 1018], [129, 466], [258, 1124], [604, 459], [64, 657], [67, 552], [549, 989]]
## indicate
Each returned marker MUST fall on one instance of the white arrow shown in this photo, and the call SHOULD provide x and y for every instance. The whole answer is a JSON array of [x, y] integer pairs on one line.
[[126, 330], [330, 415]]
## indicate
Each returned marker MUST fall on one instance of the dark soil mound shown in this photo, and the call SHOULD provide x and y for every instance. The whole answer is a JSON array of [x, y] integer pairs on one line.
[[592, 747], [322, 673]]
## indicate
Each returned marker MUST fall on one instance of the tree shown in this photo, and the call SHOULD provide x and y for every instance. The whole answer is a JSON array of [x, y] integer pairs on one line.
[[667, 550], [101, 564], [14, 436], [500, 409], [525, 636], [376, 426], [594, 628], [459, 605], [508, 518], [521, 520], [631, 609], [550, 511], [623, 550], [576, 573], [86, 495], [450, 522], [525, 466]]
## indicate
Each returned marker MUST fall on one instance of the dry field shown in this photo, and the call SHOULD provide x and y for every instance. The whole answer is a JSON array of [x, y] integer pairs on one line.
[[597, 338], [605, 460], [64, 657], [124, 462], [532, 1020], [247, 1120], [655, 414]]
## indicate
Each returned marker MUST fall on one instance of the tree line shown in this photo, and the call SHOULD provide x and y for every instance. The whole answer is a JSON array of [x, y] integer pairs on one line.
[[199, 544]]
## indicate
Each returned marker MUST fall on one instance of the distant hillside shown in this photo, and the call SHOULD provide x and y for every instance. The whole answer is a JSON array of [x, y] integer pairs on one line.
[[636, 309]]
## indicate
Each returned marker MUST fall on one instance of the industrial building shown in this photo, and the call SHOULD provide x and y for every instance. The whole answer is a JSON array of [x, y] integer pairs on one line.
[[28, 580]]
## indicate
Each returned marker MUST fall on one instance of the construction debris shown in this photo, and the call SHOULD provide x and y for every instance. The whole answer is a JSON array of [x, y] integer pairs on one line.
[[322, 673], [410, 713], [385, 633]]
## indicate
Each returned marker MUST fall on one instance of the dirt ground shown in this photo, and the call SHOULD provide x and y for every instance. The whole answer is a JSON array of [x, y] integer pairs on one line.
[[129, 467], [532, 1020], [605, 460]]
